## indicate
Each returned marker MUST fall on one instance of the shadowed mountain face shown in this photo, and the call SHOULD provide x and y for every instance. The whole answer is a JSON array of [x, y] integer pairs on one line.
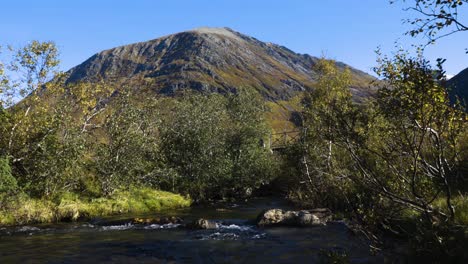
[[459, 86], [209, 60]]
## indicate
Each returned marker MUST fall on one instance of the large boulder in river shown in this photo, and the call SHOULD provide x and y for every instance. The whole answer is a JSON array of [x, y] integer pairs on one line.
[[276, 217]]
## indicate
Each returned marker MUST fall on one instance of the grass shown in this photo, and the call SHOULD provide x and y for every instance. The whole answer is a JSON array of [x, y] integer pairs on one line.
[[460, 204], [22, 209], [279, 116]]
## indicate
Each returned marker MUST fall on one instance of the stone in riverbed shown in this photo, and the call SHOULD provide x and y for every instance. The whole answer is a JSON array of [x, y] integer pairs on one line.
[[157, 220], [203, 224], [278, 217]]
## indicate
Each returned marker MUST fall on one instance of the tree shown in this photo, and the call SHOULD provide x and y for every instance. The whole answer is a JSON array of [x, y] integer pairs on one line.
[[4, 125], [418, 136], [4, 116], [7, 181], [406, 145], [329, 98], [3, 85], [128, 154], [35, 63], [40, 134], [437, 18], [404, 148], [193, 144], [253, 166], [210, 144], [322, 157], [38, 62], [90, 100]]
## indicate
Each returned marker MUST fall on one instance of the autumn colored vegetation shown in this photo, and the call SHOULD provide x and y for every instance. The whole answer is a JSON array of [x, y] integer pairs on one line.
[[396, 164]]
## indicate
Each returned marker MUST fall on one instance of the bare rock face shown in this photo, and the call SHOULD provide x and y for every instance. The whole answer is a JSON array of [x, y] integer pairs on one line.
[[278, 217]]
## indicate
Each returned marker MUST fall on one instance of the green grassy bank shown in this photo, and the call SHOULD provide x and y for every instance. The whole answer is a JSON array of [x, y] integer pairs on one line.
[[21, 209]]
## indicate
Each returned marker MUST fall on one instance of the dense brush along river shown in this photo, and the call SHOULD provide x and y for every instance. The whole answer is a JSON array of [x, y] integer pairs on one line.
[[236, 240]]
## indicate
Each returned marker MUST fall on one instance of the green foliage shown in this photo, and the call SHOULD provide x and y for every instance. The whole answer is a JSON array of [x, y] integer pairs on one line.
[[413, 156], [4, 125], [47, 147], [193, 144], [96, 140], [438, 244], [4, 86], [460, 203], [436, 19], [50, 139], [418, 136], [7, 181], [33, 129], [38, 61], [320, 160], [130, 154], [213, 145], [394, 162], [253, 166]]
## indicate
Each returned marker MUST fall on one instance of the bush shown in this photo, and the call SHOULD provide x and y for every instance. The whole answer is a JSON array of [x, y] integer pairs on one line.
[[212, 146], [7, 181]]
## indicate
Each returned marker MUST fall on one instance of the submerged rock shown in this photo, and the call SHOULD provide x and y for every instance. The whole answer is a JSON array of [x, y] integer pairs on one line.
[[138, 221], [203, 224], [157, 220], [275, 217]]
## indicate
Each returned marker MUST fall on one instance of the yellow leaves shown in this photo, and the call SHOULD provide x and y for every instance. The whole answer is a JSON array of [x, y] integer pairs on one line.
[[36, 63], [332, 87], [87, 95]]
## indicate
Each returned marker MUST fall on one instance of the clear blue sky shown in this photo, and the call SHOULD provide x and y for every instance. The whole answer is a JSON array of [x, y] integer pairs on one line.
[[349, 31]]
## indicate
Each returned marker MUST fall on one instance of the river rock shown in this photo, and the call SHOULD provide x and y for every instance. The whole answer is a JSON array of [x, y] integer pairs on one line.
[[157, 220], [275, 217], [203, 224]]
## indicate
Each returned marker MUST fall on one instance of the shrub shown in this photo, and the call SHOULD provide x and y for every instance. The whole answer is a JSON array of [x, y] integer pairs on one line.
[[211, 144], [7, 181]]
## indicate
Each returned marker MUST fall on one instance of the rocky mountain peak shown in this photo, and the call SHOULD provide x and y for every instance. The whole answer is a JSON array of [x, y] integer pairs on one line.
[[224, 31], [207, 60]]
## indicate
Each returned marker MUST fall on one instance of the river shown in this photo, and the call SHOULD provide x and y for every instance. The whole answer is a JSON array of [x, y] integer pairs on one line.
[[237, 240]]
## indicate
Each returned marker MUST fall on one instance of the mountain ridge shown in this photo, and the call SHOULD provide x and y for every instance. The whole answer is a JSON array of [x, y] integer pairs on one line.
[[210, 60], [458, 86]]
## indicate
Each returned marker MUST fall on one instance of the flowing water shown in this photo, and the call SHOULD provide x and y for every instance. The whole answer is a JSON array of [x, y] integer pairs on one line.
[[237, 240]]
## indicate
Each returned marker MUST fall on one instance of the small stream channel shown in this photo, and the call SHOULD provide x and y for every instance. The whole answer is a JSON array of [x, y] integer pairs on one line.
[[237, 240]]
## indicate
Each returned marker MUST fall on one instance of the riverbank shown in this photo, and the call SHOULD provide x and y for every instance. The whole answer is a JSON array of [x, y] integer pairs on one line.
[[21, 209]]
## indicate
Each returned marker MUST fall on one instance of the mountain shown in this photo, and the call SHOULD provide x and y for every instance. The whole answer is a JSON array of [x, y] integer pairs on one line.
[[209, 60], [459, 86]]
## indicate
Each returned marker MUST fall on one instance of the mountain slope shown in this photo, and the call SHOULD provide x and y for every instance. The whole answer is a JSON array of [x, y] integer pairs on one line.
[[459, 86], [210, 60]]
